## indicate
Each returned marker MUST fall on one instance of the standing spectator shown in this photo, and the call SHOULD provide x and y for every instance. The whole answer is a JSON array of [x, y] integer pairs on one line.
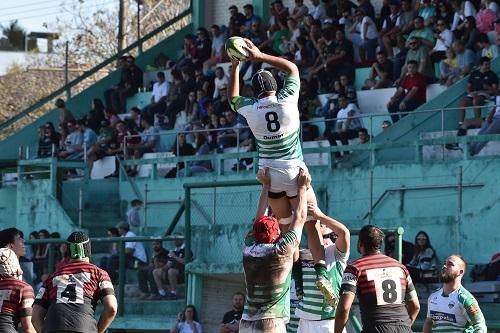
[[65, 115], [410, 93], [133, 217], [367, 8], [378, 312], [187, 321], [424, 257], [465, 311], [68, 298], [381, 74], [444, 39], [158, 103], [17, 296], [231, 320], [348, 123], [236, 21], [172, 272], [134, 251], [366, 36], [147, 284], [218, 53]]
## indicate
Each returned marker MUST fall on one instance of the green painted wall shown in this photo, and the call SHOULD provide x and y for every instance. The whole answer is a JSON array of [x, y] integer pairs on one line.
[[8, 206]]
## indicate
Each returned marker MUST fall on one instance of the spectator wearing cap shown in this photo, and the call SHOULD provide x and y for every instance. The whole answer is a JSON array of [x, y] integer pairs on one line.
[[135, 253], [381, 73], [218, 54], [249, 18], [65, 115], [299, 11], [410, 94], [348, 123], [236, 21], [444, 40], [390, 32], [158, 103]]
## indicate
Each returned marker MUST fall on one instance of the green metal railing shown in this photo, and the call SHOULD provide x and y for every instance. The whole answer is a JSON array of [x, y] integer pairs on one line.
[[67, 88], [121, 255]]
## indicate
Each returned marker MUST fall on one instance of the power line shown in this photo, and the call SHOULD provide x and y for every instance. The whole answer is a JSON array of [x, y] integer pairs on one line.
[[33, 10], [28, 5]]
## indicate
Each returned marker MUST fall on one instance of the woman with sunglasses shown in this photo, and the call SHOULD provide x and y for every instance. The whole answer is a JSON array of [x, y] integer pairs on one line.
[[424, 259]]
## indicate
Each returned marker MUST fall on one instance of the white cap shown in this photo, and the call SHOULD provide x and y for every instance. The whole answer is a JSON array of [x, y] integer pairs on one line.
[[9, 264]]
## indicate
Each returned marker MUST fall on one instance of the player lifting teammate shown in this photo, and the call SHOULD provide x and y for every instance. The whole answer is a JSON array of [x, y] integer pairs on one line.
[[68, 298], [274, 120], [16, 296], [387, 298]]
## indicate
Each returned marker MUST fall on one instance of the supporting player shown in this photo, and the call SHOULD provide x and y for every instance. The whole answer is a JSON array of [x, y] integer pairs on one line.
[[274, 120], [68, 298], [314, 313], [452, 308], [387, 298], [16, 296], [267, 263]]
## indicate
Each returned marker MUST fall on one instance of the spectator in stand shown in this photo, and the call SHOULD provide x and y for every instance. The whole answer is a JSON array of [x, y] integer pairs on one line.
[[444, 12], [483, 83], [365, 36], [220, 80], [231, 320], [99, 149], [309, 106], [133, 217], [428, 13], [406, 19], [89, 136], [363, 136], [227, 136], [135, 253], [323, 67], [187, 321], [444, 40], [202, 148], [147, 285], [462, 10], [188, 52], [201, 81], [62, 256], [96, 115], [465, 60], [236, 21], [491, 125], [65, 115], [273, 44], [110, 115], [176, 98], [258, 36], [448, 68], [158, 103], [470, 34], [180, 148], [348, 89], [367, 8], [173, 271], [390, 33], [381, 74], [221, 104], [279, 13], [410, 94], [420, 54], [348, 123], [72, 144], [191, 109], [299, 11], [485, 18], [493, 6], [149, 141], [130, 82], [390, 248], [385, 125], [423, 34], [250, 17], [424, 258], [109, 263], [41, 258], [49, 141], [487, 50], [218, 54], [318, 10], [133, 121]]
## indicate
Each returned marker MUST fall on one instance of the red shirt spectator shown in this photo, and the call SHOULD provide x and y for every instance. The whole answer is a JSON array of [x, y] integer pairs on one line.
[[415, 80]]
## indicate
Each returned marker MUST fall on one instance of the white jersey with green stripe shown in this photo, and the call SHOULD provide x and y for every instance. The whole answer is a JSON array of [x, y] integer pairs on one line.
[[313, 305], [275, 123], [268, 270], [456, 312]]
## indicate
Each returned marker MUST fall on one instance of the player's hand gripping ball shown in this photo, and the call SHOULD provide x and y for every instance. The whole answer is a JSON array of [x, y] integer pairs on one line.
[[234, 49]]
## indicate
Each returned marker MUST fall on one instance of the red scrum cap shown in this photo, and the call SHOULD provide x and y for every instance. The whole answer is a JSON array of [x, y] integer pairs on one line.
[[266, 230]]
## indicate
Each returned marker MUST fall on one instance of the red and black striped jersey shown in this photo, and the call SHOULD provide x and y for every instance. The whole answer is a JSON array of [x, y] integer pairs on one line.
[[16, 299], [70, 296], [382, 285]]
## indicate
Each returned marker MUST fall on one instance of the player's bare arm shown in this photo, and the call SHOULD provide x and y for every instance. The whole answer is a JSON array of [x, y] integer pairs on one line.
[[264, 178], [343, 308], [38, 316], [234, 80], [108, 314], [256, 55], [344, 236], [300, 214], [427, 326]]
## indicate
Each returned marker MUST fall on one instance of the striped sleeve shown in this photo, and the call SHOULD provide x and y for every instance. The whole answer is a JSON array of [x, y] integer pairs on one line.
[[411, 292], [472, 311], [349, 280], [290, 90], [288, 242], [237, 103], [105, 284]]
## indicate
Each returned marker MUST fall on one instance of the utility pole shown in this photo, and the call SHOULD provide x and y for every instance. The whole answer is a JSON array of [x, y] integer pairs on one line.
[[122, 23]]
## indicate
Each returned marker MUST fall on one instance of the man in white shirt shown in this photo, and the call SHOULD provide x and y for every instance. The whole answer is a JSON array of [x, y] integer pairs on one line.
[[218, 41], [158, 102], [348, 123], [444, 40], [134, 251], [221, 80], [318, 10]]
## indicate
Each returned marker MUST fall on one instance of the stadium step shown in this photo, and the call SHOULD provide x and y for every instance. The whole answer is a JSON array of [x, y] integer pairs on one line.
[[144, 322]]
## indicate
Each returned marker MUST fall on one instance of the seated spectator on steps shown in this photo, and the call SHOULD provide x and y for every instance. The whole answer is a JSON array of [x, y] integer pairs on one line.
[[231, 320], [133, 217], [363, 136], [424, 259], [89, 136], [410, 94], [483, 83], [455, 68], [158, 103], [135, 253], [104, 141], [348, 123], [419, 53], [381, 73], [490, 126], [49, 140], [202, 148], [187, 322], [130, 82], [73, 142], [444, 40], [218, 52], [110, 115], [173, 272], [133, 121], [390, 248], [110, 262], [220, 80], [487, 50], [147, 284]]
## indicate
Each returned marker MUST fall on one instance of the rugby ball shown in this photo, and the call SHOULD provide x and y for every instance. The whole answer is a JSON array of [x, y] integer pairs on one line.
[[234, 49]]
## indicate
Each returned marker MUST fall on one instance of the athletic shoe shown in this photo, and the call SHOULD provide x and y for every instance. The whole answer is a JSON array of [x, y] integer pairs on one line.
[[326, 289]]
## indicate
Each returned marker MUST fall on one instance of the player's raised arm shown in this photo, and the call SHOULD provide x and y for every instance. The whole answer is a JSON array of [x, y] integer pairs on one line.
[[256, 55], [264, 178], [234, 80], [343, 235], [300, 215]]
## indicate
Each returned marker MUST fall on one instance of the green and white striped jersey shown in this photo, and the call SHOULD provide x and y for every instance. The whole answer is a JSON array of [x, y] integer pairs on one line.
[[275, 123], [293, 324], [456, 312], [268, 271], [313, 305]]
